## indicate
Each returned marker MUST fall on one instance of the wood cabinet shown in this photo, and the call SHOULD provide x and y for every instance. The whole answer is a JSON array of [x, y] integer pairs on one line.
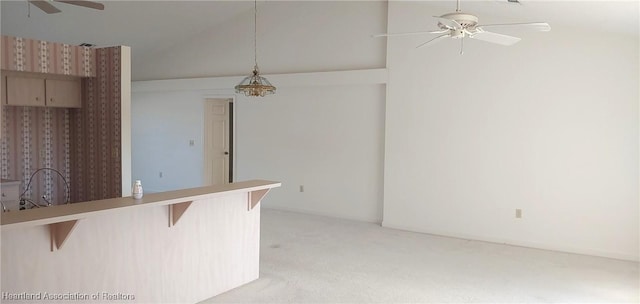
[[25, 91], [40, 90], [64, 93]]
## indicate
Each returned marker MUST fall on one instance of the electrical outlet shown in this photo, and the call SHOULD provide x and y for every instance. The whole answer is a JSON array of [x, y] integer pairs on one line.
[[192, 142], [301, 188], [518, 213]]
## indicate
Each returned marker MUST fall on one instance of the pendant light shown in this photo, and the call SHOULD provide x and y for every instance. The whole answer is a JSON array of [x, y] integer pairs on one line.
[[254, 84]]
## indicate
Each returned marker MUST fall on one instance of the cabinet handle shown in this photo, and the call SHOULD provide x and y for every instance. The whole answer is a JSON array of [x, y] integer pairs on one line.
[[3, 195], [36, 98]]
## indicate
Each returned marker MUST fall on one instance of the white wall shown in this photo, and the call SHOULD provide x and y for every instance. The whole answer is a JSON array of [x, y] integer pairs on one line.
[[125, 120], [324, 131], [328, 139], [549, 126], [162, 125]]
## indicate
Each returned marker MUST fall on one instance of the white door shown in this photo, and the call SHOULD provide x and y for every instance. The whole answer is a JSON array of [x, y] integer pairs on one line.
[[217, 141]]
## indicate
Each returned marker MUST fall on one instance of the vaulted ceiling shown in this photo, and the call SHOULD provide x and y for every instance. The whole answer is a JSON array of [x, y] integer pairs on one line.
[[152, 26]]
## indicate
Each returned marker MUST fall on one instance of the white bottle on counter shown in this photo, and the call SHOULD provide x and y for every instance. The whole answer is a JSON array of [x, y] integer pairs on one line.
[[136, 190]]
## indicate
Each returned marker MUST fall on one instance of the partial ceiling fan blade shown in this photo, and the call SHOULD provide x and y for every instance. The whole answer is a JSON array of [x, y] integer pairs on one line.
[[495, 38], [434, 40], [451, 24], [88, 4], [409, 33], [532, 26], [45, 6]]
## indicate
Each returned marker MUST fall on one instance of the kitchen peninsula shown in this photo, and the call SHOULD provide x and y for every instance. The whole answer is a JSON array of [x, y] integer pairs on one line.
[[178, 246]]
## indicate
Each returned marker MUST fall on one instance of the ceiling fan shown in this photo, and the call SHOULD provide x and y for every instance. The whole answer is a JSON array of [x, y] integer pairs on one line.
[[459, 25], [47, 7]]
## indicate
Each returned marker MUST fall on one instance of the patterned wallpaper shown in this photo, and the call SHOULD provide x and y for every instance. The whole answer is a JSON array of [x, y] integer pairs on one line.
[[82, 144], [95, 132], [32, 138], [38, 56]]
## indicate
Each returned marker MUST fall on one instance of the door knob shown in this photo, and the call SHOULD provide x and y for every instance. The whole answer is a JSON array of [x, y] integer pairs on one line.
[[226, 153]]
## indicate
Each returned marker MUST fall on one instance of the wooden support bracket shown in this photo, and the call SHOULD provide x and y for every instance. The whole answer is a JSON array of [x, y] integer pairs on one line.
[[255, 197], [176, 211], [60, 232]]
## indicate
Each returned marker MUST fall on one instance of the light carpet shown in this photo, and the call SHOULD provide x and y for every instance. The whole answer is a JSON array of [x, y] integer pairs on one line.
[[314, 259]]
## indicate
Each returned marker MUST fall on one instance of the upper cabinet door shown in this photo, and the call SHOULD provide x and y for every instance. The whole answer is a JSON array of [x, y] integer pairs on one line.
[[24, 91], [64, 93]]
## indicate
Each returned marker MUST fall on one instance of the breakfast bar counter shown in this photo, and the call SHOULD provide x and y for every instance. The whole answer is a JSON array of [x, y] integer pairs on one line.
[[178, 246]]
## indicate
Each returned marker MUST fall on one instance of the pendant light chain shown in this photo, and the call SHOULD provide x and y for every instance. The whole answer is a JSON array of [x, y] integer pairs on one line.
[[255, 32], [254, 84]]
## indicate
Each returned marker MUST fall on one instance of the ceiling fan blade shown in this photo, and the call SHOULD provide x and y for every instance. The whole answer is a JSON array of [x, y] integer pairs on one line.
[[434, 40], [533, 26], [45, 6], [495, 38], [452, 24], [410, 33], [83, 3]]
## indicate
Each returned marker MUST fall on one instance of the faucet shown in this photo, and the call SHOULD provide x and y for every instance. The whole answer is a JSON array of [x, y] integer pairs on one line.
[[24, 202], [44, 197]]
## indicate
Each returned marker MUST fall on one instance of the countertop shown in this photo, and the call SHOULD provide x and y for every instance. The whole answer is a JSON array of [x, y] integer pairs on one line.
[[75, 211]]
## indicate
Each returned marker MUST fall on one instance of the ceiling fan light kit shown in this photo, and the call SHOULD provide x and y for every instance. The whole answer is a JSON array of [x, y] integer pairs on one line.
[[459, 25]]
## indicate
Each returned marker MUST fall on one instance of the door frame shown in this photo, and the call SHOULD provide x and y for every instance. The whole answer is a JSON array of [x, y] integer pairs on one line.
[[208, 157]]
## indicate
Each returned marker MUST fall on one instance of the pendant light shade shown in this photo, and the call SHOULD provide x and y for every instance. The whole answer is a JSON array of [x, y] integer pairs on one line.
[[254, 84]]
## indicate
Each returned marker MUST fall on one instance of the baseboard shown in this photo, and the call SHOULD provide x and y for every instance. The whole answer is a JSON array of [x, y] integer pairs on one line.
[[326, 214], [534, 245]]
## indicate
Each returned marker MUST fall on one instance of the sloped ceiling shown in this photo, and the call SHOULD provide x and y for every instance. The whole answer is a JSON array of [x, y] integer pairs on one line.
[[177, 39], [293, 37]]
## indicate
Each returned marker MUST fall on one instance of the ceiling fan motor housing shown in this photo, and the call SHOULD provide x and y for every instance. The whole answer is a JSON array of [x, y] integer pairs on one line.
[[458, 25], [467, 21]]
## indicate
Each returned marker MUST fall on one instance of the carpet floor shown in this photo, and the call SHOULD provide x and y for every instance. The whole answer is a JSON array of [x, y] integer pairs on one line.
[[314, 259]]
